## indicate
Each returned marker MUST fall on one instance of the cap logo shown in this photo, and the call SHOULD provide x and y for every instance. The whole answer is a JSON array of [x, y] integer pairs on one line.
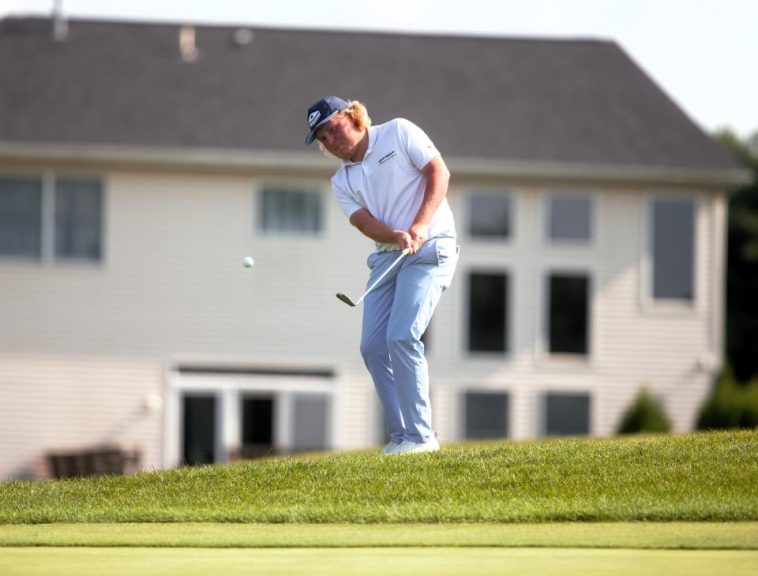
[[313, 118]]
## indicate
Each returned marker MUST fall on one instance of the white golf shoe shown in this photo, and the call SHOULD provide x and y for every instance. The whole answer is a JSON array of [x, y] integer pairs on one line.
[[410, 447], [391, 448]]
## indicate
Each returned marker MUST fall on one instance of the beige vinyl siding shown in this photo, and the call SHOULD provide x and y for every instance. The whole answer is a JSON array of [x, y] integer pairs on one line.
[[63, 402], [171, 290], [633, 341], [83, 345], [172, 282], [650, 343]]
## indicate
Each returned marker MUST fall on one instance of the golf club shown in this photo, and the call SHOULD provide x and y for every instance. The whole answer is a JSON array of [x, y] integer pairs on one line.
[[349, 302]]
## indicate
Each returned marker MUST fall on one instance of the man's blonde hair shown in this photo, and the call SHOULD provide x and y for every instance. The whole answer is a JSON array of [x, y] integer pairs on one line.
[[357, 112]]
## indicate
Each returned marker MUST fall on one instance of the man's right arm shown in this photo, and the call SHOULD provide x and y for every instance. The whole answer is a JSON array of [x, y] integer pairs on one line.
[[378, 231]]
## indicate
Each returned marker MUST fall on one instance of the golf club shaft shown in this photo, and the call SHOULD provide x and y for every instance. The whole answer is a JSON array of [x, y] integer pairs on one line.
[[376, 282]]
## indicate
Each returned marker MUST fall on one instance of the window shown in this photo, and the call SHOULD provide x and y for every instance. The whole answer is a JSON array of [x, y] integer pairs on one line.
[[569, 218], [292, 211], [232, 412], [489, 215], [488, 312], [568, 316], [21, 217], [673, 250], [257, 426], [78, 210], [57, 218], [567, 414], [486, 415], [310, 420], [199, 429]]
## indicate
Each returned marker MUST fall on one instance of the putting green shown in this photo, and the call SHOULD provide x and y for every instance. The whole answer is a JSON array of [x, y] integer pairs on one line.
[[670, 549], [640, 535], [373, 561]]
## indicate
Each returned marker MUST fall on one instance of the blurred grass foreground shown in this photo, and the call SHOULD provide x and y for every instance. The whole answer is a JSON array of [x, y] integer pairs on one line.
[[711, 476]]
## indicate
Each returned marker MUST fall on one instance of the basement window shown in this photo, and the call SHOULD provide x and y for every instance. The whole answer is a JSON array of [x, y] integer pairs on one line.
[[566, 414], [486, 415]]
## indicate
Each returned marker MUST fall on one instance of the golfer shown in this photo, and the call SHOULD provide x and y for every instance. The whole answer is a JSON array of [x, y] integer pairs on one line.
[[392, 185]]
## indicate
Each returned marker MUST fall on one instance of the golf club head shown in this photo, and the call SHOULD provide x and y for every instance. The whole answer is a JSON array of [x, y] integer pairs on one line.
[[345, 299]]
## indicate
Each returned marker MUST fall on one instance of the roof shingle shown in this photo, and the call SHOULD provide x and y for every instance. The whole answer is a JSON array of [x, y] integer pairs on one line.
[[569, 101]]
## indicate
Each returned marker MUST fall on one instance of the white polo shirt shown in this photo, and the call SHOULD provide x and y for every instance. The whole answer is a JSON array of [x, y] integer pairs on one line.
[[388, 181]]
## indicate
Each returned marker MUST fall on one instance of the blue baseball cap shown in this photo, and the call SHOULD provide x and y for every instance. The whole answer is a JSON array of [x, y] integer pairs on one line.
[[321, 112]]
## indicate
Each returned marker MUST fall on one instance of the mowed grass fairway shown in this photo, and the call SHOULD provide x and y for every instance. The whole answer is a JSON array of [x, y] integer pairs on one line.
[[644, 505], [374, 562], [671, 548]]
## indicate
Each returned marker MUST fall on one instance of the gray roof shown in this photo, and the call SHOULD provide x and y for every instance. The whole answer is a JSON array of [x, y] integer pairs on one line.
[[514, 99]]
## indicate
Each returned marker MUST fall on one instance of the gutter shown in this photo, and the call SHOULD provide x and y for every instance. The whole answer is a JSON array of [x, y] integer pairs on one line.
[[161, 157], [605, 173], [291, 163]]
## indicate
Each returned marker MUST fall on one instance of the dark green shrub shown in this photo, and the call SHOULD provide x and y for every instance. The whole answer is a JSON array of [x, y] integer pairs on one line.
[[750, 409], [732, 404], [645, 414]]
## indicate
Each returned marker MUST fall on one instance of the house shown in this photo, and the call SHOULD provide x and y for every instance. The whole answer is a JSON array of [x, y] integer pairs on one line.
[[139, 163]]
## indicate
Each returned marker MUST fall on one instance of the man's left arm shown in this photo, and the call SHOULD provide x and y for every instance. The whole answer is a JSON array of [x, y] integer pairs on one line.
[[437, 177]]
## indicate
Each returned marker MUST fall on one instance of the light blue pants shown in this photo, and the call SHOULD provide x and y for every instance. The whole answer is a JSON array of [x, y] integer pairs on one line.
[[395, 316]]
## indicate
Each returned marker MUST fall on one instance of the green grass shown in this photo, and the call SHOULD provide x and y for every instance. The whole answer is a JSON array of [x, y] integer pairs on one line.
[[373, 562], [673, 505], [698, 477], [638, 535]]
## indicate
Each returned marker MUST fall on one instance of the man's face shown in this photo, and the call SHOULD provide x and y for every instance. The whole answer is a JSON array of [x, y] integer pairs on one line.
[[339, 136]]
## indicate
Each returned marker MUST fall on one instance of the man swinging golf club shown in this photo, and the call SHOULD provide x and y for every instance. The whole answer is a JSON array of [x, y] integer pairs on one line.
[[392, 185]]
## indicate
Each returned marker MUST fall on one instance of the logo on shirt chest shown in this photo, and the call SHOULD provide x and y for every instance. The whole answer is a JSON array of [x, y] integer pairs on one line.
[[387, 157]]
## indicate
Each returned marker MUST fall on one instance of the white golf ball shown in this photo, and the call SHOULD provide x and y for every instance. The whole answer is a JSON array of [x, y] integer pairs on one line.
[[248, 262]]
